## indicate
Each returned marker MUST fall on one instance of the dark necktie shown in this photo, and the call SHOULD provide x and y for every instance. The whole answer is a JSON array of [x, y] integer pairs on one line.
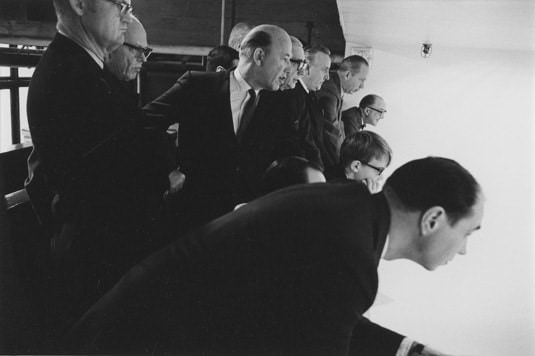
[[247, 114]]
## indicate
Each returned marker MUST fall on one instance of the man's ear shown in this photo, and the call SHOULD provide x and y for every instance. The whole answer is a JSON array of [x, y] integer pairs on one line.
[[258, 56], [220, 69], [432, 220], [78, 6], [355, 166]]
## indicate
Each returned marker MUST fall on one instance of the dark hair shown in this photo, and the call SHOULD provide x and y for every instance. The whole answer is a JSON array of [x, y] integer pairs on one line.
[[364, 146], [435, 181], [312, 51], [221, 56], [287, 171], [258, 39], [353, 63]]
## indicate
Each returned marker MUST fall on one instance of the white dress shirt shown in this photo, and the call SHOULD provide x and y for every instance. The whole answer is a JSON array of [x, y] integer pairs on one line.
[[238, 96]]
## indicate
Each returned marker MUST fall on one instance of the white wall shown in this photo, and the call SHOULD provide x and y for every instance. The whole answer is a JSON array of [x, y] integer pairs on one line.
[[477, 107]]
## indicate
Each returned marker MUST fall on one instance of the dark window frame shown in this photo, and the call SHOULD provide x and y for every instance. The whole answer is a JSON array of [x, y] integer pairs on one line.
[[15, 57]]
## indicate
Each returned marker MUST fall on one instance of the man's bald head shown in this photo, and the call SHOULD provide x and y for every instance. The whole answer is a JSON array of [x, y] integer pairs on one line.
[[136, 34], [265, 57], [126, 61]]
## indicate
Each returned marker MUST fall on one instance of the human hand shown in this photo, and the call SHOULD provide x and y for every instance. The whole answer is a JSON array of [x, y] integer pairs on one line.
[[176, 181], [374, 185]]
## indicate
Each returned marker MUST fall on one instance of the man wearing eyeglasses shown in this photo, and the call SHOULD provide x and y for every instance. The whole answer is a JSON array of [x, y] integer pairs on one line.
[[298, 65], [95, 179], [126, 61], [371, 109]]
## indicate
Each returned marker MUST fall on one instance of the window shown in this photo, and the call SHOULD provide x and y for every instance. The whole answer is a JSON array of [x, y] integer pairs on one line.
[[16, 68]]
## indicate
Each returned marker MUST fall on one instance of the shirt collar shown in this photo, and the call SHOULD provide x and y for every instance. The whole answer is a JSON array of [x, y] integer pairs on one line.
[[387, 242], [240, 84], [304, 85]]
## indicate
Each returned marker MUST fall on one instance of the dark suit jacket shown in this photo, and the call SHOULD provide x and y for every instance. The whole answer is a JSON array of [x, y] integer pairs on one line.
[[307, 115], [272, 134], [289, 273], [95, 176], [220, 171], [330, 100], [353, 121]]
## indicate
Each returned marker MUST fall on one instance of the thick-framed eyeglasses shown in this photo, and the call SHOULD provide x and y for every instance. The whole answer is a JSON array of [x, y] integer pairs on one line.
[[378, 169], [146, 51], [301, 63], [124, 8], [381, 112]]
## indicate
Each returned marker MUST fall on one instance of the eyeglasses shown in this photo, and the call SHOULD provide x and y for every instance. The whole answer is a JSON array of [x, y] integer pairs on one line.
[[382, 112], [146, 51], [124, 8], [378, 169], [301, 63]]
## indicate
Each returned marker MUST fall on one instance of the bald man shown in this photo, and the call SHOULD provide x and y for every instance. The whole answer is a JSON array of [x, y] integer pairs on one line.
[[371, 109], [95, 178], [298, 64], [214, 111], [126, 61]]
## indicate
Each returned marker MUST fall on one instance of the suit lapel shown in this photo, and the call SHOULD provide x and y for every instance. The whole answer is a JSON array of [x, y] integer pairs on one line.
[[223, 103]]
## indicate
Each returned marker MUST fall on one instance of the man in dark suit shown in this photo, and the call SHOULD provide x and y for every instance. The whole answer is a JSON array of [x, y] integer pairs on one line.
[[214, 112], [289, 273], [304, 108], [371, 109], [274, 129], [347, 79], [95, 178]]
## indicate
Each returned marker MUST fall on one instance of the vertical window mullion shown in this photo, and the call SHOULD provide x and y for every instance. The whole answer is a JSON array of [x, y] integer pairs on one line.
[[15, 107]]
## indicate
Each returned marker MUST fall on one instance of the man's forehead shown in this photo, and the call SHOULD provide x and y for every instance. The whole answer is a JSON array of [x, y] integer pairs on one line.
[[297, 52]]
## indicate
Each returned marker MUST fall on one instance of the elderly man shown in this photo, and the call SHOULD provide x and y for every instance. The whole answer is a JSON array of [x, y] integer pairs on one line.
[[371, 109], [304, 109], [272, 134], [298, 64], [347, 79], [214, 111], [94, 178], [126, 61], [290, 273]]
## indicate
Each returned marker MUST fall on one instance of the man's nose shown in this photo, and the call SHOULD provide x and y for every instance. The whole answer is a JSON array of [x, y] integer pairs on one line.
[[462, 251], [127, 17], [327, 76]]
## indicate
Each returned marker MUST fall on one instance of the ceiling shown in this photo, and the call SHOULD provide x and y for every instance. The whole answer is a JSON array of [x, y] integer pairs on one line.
[[477, 24]]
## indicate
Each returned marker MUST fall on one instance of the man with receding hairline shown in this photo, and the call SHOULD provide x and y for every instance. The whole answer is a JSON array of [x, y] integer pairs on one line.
[[371, 109], [95, 179], [347, 79], [214, 111], [126, 61]]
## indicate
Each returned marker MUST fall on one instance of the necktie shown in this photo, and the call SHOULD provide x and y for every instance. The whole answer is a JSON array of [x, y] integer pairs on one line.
[[247, 114]]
